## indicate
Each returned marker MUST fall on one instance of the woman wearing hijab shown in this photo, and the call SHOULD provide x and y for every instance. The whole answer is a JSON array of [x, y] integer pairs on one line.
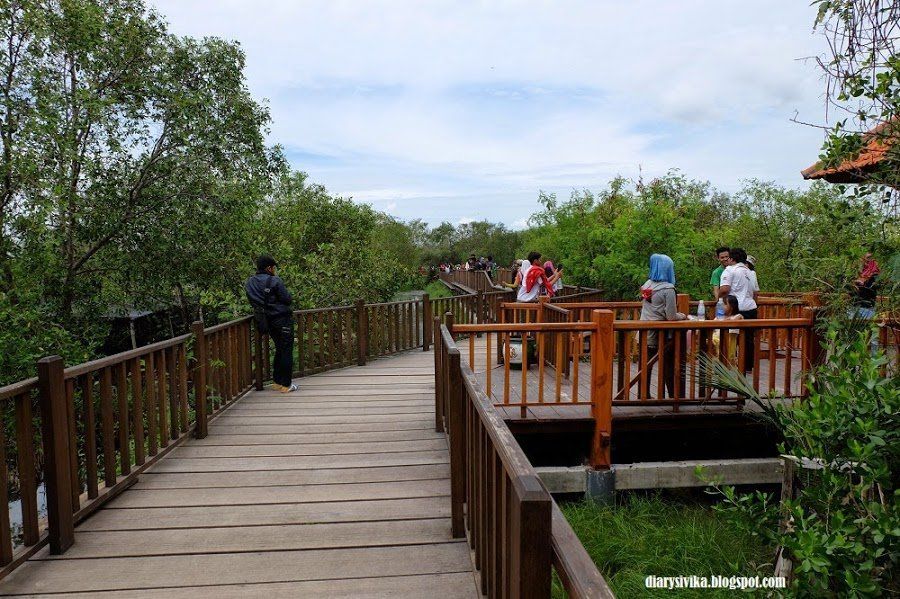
[[517, 266], [555, 274], [659, 296]]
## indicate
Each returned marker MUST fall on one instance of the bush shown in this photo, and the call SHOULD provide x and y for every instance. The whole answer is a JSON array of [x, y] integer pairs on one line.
[[842, 529]]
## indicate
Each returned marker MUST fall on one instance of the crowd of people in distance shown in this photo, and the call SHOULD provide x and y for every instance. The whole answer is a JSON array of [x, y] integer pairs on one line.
[[486, 264]]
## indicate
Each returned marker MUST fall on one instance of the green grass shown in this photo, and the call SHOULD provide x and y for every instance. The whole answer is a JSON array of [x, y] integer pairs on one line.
[[646, 535], [437, 289]]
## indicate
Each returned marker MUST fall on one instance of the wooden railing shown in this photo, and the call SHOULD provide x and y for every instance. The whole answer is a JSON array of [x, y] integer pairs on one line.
[[464, 308], [668, 362], [548, 387], [497, 499], [87, 431], [474, 280]]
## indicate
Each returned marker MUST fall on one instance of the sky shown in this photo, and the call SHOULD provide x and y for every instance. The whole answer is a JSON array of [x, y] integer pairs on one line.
[[463, 110]]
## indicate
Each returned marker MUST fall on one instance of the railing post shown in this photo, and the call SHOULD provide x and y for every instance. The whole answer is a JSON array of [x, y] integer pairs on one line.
[[362, 333], [438, 377], [683, 305], [815, 350], [445, 391], [479, 309], [531, 553], [55, 432], [427, 321], [602, 349], [455, 402], [259, 375], [200, 380]]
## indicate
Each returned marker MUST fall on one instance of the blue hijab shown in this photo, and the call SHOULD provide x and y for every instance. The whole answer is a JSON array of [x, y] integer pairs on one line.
[[662, 269]]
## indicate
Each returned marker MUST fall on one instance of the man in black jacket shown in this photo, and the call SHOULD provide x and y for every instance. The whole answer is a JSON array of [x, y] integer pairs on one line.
[[267, 293]]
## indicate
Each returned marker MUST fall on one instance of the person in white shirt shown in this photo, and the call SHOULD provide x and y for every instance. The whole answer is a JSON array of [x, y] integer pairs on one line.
[[740, 281], [533, 278]]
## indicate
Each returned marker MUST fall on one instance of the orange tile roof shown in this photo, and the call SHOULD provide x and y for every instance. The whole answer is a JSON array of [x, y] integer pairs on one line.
[[878, 142]]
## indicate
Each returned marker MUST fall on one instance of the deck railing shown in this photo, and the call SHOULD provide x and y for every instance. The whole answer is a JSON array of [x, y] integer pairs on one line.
[[548, 388], [86, 432], [474, 280], [497, 499], [675, 369]]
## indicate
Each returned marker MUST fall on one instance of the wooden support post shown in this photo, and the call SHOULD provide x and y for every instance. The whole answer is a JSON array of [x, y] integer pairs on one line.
[[679, 346], [55, 432], [427, 321], [530, 529], [455, 402], [479, 309], [259, 376], [200, 431], [362, 333], [602, 348], [438, 377], [815, 346], [445, 413]]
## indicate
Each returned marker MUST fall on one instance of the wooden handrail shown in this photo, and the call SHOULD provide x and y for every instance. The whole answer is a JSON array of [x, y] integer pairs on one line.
[[683, 325], [530, 327], [328, 309], [113, 360], [507, 499], [577, 571], [19, 388]]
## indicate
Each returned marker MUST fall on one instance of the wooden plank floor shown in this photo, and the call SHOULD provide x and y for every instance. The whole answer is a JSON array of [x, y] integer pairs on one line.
[[339, 490]]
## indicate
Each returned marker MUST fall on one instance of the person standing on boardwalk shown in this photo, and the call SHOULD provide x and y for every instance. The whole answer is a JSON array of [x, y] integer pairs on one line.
[[740, 281], [533, 279], [659, 303], [271, 304], [724, 258]]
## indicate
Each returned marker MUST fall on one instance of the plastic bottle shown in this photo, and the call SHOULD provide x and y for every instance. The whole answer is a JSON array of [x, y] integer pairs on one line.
[[720, 309], [701, 311]]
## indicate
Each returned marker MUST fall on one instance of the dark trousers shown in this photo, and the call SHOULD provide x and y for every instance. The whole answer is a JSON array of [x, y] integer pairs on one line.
[[282, 332], [749, 345], [667, 363]]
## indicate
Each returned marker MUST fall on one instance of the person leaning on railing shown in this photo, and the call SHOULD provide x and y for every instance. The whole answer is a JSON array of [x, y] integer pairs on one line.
[[659, 300], [271, 304]]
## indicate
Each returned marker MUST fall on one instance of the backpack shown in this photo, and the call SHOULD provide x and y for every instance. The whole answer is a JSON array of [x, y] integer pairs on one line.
[[259, 312]]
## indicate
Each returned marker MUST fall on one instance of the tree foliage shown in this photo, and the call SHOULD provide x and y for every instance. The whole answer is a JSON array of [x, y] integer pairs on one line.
[[135, 174], [605, 238]]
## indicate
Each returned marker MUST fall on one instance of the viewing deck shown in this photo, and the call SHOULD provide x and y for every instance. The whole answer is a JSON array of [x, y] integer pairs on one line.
[[340, 489]]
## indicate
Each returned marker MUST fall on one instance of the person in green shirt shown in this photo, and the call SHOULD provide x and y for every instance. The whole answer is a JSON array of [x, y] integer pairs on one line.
[[724, 258]]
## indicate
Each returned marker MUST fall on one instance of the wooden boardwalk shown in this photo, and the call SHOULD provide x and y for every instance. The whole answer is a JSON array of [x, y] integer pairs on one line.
[[339, 490]]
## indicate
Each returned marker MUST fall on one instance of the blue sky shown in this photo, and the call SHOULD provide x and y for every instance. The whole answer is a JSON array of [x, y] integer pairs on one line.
[[464, 110]]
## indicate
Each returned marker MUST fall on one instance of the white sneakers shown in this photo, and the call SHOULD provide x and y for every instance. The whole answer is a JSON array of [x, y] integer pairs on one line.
[[283, 389]]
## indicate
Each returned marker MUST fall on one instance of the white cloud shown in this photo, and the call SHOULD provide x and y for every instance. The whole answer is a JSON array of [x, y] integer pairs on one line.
[[451, 108]]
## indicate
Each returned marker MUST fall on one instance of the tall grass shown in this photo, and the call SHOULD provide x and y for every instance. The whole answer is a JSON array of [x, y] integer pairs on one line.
[[663, 536], [437, 289]]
